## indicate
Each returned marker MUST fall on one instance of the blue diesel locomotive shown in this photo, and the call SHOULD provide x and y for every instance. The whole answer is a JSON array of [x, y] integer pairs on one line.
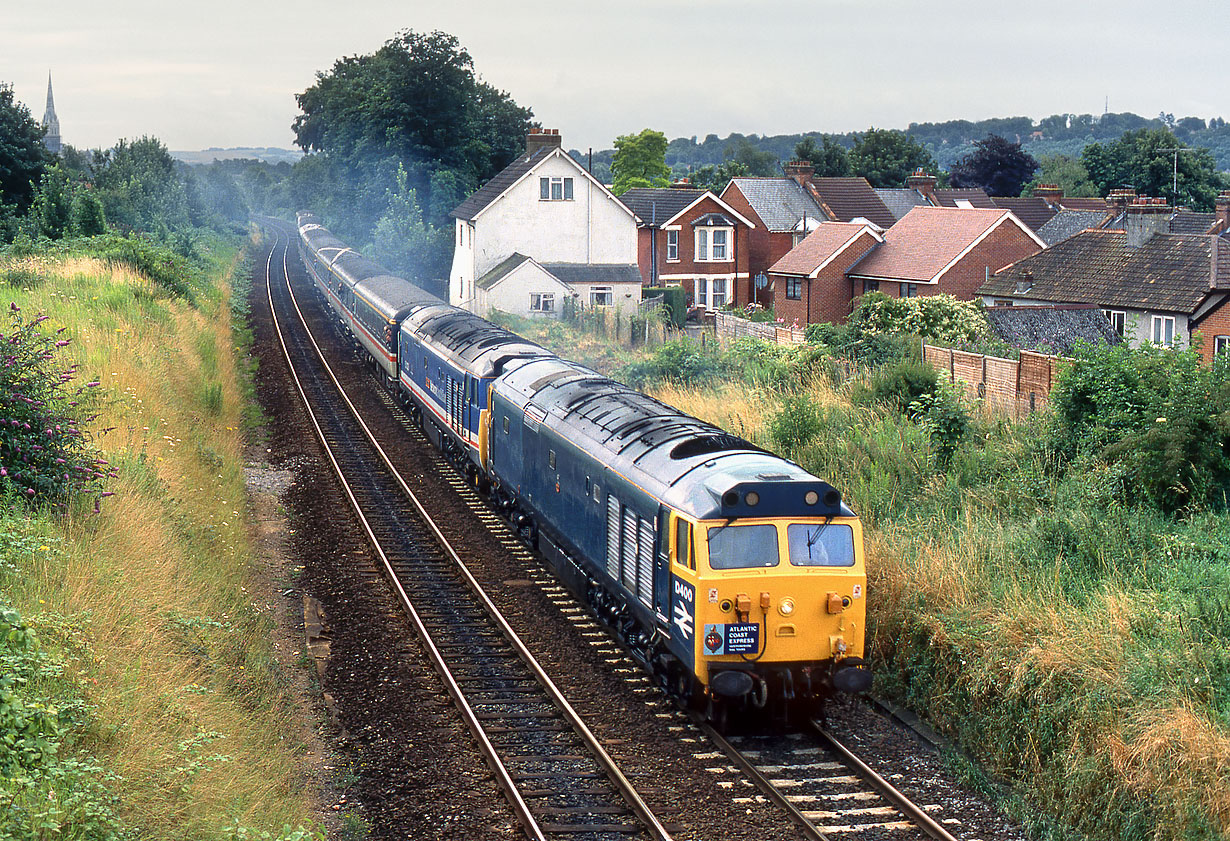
[[732, 573]]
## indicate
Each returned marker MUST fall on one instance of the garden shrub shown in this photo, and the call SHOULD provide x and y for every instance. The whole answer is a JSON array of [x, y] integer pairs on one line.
[[942, 414], [796, 424], [681, 360], [1160, 413], [902, 383], [45, 455]]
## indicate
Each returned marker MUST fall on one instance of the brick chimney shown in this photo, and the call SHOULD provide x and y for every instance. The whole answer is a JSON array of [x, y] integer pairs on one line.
[[1120, 198], [1049, 193], [800, 171], [684, 183], [542, 138], [1145, 217], [1223, 211], [924, 183]]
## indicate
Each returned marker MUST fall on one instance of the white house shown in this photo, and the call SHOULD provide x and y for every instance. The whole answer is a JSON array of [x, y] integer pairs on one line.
[[544, 206]]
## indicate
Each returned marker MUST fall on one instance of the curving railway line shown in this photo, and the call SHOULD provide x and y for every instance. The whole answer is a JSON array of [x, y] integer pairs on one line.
[[558, 779]]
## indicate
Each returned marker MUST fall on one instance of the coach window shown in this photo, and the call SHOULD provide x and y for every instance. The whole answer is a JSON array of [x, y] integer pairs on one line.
[[551, 459], [597, 492], [506, 424], [683, 544]]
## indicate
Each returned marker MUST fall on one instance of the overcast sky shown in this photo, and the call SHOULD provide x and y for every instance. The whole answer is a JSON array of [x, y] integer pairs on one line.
[[224, 73]]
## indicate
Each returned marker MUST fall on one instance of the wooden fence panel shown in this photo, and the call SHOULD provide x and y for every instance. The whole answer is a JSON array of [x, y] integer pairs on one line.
[[1018, 386]]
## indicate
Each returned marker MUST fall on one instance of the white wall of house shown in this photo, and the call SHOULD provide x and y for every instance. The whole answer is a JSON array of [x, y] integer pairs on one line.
[[519, 290], [621, 295], [1138, 325], [592, 227], [461, 278]]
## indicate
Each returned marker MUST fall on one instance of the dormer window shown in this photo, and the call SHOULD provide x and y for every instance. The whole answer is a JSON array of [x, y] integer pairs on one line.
[[555, 189]]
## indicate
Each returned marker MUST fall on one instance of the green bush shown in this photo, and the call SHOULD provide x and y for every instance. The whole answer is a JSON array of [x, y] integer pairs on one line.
[[1159, 413], [902, 383], [681, 360], [942, 414], [796, 424]]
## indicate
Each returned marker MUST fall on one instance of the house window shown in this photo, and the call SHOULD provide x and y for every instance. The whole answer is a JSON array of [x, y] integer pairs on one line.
[[1221, 344], [1163, 330], [712, 244], [794, 288], [542, 302], [702, 292], [797, 237], [909, 290], [555, 189], [1117, 319], [718, 293], [601, 296], [871, 286], [672, 245], [1003, 302]]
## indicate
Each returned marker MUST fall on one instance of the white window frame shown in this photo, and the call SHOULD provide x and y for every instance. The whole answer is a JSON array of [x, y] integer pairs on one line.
[[672, 246], [701, 287], [706, 248], [601, 291], [555, 188], [1118, 320], [719, 297], [1158, 333], [1221, 344], [542, 302]]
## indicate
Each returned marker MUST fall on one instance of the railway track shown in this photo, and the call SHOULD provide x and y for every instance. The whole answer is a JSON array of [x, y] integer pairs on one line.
[[826, 788], [558, 779]]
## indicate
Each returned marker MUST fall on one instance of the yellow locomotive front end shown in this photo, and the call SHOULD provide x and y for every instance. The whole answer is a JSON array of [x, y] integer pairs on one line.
[[779, 607]]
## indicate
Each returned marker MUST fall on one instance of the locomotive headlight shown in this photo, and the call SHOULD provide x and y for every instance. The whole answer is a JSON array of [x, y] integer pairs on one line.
[[786, 606], [811, 497]]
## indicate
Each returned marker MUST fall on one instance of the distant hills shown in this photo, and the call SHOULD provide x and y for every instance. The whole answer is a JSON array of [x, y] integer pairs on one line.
[[949, 141], [268, 154]]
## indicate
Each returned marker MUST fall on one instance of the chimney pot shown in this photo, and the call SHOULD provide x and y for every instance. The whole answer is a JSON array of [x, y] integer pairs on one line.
[[541, 138]]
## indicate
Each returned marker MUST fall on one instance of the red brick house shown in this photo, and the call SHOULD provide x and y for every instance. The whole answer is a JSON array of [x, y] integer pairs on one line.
[[692, 238], [931, 251], [810, 284], [785, 210], [944, 251], [1151, 284]]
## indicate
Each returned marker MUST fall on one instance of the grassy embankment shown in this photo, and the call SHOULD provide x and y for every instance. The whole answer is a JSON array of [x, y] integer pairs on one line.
[[154, 656], [1074, 639]]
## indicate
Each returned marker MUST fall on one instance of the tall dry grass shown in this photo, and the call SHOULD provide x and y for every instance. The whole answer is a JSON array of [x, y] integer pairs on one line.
[[152, 600]]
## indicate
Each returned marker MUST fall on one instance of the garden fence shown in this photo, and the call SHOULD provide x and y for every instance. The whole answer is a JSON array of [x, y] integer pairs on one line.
[[1016, 386], [730, 327]]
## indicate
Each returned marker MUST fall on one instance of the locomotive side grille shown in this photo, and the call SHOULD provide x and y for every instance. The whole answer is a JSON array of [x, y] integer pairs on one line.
[[612, 537], [644, 558], [629, 549]]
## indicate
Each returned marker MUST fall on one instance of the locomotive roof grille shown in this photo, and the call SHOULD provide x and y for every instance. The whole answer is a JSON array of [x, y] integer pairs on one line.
[[718, 442]]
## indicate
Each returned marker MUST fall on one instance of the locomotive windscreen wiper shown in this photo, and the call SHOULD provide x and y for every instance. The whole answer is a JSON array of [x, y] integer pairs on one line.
[[813, 537]]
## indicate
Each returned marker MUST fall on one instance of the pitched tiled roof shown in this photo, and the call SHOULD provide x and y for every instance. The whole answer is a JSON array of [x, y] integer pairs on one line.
[[493, 189], [1067, 223], [852, 198], [779, 202], [1190, 222], [500, 270], [1078, 203], [1054, 328], [1169, 272], [1031, 210], [655, 205], [925, 241], [606, 273], [901, 200], [974, 195], [817, 248]]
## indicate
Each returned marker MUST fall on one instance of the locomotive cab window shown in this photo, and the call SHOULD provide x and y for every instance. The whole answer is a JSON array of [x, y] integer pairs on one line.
[[683, 544], [820, 544], [743, 547]]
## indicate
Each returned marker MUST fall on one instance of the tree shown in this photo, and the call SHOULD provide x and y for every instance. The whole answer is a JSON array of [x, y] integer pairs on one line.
[[140, 188], [1065, 172], [403, 242], [22, 153], [52, 208], [996, 165], [1145, 159], [829, 158], [640, 161], [754, 160], [415, 103], [715, 178], [886, 157]]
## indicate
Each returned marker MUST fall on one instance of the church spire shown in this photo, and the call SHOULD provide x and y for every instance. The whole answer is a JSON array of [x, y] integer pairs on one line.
[[51, 122]]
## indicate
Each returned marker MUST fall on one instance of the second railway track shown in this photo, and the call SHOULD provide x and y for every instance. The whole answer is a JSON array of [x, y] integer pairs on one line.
[[558, 779]]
